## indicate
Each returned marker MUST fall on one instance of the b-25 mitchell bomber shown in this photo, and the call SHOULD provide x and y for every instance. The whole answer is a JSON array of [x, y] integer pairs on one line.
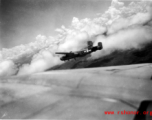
[[81, 53]]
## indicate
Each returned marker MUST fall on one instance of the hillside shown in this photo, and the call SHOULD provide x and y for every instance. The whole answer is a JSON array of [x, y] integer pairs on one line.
[[118, 57]]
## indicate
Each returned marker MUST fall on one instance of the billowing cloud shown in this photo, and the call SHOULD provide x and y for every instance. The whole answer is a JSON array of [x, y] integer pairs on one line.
[[40, 62], [127, 27], [7, 68]]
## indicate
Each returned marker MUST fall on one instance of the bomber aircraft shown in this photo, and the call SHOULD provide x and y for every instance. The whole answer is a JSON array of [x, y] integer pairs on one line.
[[81, 53]]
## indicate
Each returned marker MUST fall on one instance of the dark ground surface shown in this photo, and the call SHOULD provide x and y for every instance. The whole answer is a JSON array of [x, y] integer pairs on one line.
[[127, 57]]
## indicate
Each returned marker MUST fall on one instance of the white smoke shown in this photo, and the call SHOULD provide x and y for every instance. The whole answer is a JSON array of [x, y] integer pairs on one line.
[[126, 27]]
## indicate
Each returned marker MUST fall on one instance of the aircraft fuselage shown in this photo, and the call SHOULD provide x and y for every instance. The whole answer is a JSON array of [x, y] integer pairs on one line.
[[79, 54]]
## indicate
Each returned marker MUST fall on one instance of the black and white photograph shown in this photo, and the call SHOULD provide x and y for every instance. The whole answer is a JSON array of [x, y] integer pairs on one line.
[[76, 59]]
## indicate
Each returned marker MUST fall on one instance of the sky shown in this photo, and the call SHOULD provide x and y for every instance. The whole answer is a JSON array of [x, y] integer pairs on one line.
[[22, 20]]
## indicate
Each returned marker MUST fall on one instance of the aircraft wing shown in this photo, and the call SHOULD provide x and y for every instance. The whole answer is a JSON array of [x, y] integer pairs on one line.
[[77, 94], [65, 53]]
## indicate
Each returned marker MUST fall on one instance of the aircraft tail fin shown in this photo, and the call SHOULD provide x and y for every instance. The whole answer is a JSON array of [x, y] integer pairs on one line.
[[90, 44], [100, 45]]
